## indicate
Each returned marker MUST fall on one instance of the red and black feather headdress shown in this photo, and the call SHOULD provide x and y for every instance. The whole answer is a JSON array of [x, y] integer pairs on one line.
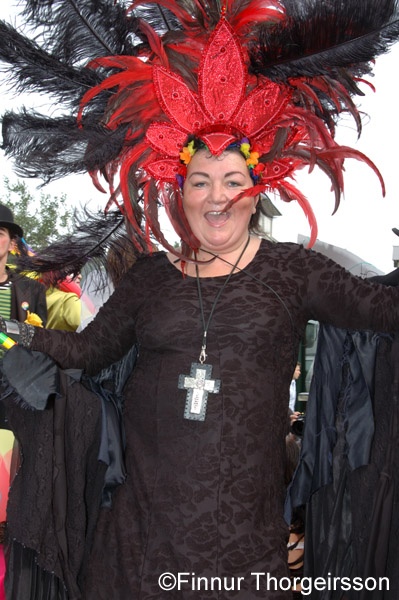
[[138, 79]]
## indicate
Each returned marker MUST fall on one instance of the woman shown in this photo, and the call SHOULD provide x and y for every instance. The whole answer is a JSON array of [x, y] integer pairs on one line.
[[216, 114], [205, 497]]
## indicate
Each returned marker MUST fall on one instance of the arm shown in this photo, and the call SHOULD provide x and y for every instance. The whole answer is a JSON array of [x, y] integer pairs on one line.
[[105, 340], [72, 310], [63, 310], [336, 297]]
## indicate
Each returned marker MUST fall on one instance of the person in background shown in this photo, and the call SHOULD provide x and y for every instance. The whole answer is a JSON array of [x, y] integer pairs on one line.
[[296, 375], [64, 308], [21, 298], [24, 299]]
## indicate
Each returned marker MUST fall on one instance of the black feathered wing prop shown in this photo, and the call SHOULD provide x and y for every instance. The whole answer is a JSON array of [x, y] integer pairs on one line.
[[104, 240]]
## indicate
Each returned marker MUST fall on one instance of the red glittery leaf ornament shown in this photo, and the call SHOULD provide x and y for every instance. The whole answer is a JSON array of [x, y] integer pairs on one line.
[[178, 102], [223, 76], [278, 169], [163, 170], [166, 139], [266, 140], [261, 108]]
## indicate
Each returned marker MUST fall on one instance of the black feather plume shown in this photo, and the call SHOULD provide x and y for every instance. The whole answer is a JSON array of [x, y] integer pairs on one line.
[[97, 238], [80, 30], [53, 147], [33, 69], [321, 38]]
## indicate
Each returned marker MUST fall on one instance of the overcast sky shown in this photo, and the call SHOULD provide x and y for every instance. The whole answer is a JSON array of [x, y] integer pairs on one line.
[[364, 220]]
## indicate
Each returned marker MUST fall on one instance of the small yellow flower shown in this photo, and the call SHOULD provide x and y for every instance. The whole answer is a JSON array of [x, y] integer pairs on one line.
[[190, 147], [253, 159], [34, 319], [245, 149]]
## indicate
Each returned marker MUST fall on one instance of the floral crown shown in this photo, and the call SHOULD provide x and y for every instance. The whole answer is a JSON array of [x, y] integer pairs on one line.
[[251, 157]]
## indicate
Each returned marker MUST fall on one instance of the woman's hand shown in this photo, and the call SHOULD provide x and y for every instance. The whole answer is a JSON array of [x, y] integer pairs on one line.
[[21, 333]]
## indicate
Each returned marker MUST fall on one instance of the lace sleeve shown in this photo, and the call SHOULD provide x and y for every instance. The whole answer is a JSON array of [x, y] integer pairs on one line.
[[105, 340], [336, 297]]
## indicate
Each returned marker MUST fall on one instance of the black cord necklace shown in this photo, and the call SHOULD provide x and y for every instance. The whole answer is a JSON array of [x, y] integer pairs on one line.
[[200, 383], [268, 287]]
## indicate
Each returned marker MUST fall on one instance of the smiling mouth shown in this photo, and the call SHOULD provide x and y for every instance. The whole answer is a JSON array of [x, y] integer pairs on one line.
[[217, 218]]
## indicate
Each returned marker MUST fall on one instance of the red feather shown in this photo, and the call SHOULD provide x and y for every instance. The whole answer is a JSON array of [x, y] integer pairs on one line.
[[129, 160], [151, 216], [256, 14], [304, 86], [94, 177], [155, 43], [347, 152], [139, 72], [288, 193]]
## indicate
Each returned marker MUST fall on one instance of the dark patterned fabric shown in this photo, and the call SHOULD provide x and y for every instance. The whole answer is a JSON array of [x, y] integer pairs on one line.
[[26, 294], [206, 498], [55, 496], [352, 522]]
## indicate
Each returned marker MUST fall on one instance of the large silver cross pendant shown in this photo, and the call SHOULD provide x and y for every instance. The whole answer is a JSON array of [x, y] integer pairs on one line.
[[198, 385]]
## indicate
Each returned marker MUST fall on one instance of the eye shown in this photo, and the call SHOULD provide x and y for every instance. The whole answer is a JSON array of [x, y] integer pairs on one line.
[[235, 183]]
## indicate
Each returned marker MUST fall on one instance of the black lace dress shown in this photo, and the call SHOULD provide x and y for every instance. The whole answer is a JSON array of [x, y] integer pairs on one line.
[[206, 498]]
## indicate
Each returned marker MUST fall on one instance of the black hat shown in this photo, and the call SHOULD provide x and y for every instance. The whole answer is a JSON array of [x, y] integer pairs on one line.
[[7, 220]]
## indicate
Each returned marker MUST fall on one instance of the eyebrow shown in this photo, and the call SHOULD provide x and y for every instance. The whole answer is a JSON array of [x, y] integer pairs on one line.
[[203, 174]]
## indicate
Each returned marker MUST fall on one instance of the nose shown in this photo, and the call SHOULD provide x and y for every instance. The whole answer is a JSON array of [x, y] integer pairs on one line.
[[218, 195]]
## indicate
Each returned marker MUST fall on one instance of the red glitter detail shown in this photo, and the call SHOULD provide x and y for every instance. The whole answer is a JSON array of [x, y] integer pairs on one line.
[[276, 171], [164, 170], [223, 57], [261, 108], [184, 112], [165, 139], [217, 142]]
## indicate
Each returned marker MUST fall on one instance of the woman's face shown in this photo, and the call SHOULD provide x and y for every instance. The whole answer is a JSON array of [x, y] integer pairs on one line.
[[211, 182]]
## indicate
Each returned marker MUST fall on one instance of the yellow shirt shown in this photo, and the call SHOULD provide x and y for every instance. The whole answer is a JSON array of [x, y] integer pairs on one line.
[[63, 310]]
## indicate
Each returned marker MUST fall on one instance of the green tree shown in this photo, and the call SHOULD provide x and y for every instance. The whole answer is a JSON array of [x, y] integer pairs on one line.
[[43, 219]]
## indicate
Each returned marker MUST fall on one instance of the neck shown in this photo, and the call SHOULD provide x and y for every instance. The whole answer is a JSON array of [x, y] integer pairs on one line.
[[213, 264], [204, 255]]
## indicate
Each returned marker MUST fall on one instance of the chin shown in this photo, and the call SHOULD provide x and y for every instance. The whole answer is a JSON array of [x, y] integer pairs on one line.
[[216, 243]]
